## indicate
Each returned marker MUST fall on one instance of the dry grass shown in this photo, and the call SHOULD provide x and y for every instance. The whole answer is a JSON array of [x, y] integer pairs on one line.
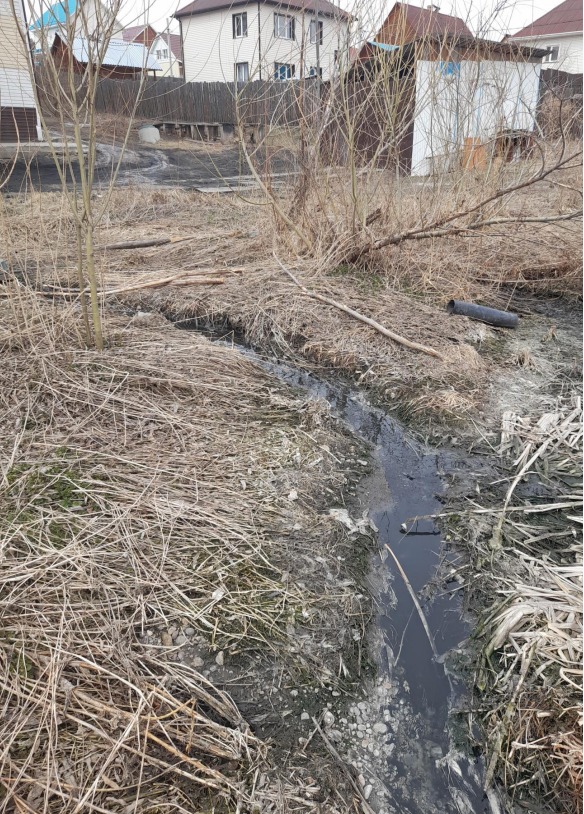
[[143, 488], [260, 302], [531, 674], [405, 287]]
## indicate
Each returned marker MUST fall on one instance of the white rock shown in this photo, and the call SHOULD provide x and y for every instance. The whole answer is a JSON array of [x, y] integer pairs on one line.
[[293, 495], [381, 728], [367, 791], [305, 716], [220, 658], [149, 134], [328, 718]]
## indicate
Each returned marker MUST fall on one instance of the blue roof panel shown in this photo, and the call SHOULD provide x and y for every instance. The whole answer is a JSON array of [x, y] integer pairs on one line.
[[57, 14], [384, 46]]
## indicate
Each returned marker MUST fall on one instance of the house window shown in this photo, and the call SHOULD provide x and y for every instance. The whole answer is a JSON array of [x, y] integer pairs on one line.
[[162, 54], [242, 71], [239, 25], [553, 54], [313, 28], [284, 27], [284, 71], [314, 71]]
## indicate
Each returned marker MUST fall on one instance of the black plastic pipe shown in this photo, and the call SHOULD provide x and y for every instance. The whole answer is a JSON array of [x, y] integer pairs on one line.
[[502, 319]]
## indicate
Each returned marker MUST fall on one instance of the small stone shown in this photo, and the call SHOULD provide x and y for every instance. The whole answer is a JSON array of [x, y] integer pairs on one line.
[[380, 727], [181, 639], [362, 705], [294, 693], [335, 694], [305, 716], [197, 661], [189, 631], [361, 780], [367, 791], [166, 639], [293, 495], [220, 658], [328, 719]]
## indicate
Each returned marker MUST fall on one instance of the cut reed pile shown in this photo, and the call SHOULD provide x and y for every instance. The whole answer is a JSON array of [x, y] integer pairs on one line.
[[143, 488], [530, 675]]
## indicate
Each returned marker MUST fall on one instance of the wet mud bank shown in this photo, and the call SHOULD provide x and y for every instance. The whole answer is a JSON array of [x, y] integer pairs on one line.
[[405, 736], [170, 167]]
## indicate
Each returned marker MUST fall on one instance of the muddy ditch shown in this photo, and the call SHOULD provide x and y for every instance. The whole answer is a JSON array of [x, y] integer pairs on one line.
[[166, 166], [403, 734]]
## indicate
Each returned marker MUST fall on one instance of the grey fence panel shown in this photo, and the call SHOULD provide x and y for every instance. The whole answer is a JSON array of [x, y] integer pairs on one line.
[[174, 100]]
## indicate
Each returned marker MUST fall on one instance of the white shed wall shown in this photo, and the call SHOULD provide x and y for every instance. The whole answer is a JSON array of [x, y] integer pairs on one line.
[[480, 100]]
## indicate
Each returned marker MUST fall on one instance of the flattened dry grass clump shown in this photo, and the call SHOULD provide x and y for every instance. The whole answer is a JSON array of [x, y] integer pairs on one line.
[[530, 676], [144, 487]]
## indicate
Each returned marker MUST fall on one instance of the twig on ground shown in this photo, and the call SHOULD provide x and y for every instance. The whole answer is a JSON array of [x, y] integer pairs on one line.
[[400, 340]]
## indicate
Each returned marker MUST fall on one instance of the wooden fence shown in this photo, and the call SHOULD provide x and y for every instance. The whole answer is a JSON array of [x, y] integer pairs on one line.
[[172, 99]]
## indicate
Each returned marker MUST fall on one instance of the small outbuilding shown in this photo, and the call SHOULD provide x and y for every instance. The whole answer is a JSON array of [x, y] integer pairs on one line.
[[115, 59], [436, 102]]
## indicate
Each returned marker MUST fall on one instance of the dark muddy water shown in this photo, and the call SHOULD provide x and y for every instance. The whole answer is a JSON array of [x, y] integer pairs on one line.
[[187, 168], [430, 770]]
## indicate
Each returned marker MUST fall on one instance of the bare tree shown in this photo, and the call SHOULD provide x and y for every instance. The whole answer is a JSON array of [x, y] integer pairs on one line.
[[72, 56]]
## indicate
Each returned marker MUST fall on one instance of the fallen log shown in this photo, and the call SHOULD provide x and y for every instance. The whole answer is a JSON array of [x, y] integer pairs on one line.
[[400, 340], [146, 242], [138, 244]]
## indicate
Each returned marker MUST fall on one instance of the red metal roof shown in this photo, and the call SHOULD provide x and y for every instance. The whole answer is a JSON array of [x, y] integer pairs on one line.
[[563, 19], [427, 22], [325, 7]]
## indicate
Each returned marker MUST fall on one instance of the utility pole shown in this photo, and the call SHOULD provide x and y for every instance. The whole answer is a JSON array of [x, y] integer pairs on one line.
[[170, 54], [317, 52]]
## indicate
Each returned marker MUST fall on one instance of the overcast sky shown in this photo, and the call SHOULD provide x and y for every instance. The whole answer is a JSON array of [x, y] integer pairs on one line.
[[488, 17]]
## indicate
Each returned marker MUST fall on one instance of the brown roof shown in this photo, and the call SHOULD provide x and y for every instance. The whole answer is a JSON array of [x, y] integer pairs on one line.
[[428, 22], [563, 19], [325, 7], [174, 43], [130, 34]]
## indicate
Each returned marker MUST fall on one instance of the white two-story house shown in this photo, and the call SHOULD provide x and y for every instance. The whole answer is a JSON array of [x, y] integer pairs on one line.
[[560, 31], [238, 40]]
